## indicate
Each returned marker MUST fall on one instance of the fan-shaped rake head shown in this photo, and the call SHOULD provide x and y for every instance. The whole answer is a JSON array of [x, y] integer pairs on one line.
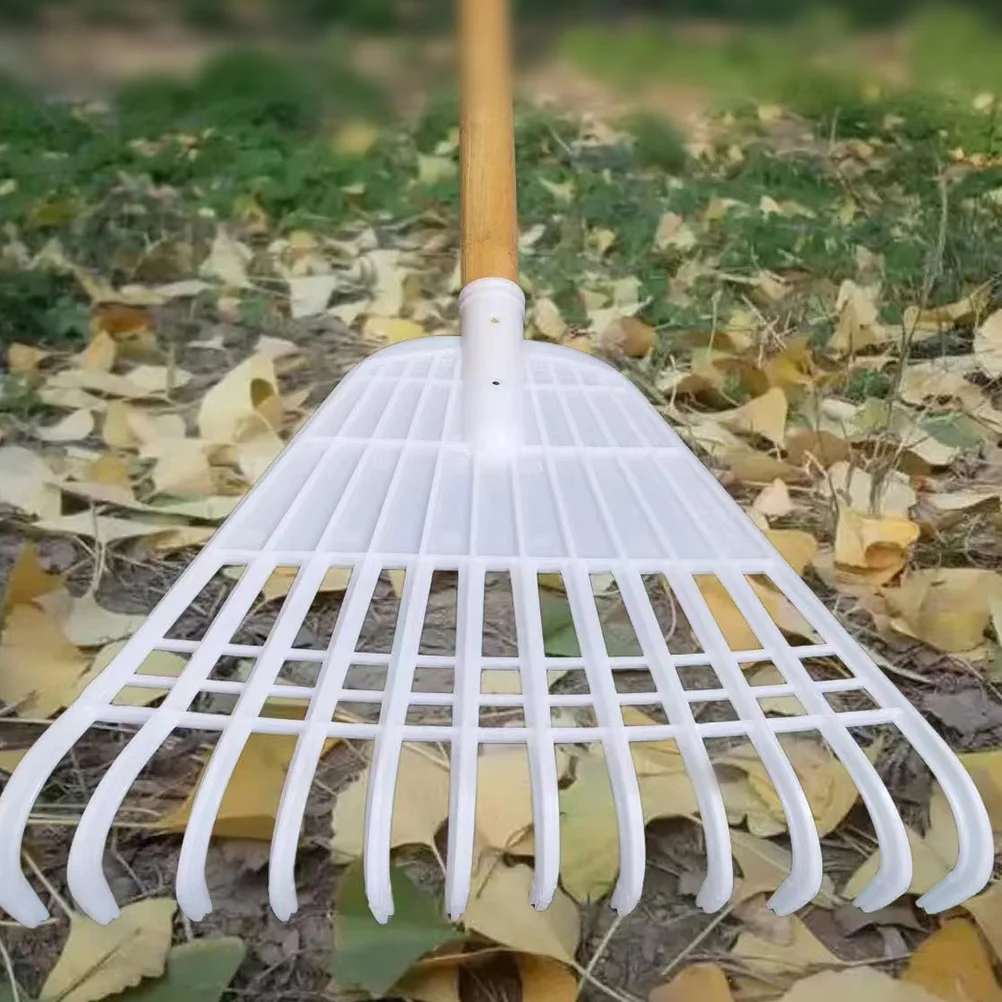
[[524, 459]]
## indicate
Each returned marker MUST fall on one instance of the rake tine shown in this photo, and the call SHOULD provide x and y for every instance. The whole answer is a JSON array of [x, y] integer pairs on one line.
[[895, 873], [309, 747], [719, 883], [807, 870]]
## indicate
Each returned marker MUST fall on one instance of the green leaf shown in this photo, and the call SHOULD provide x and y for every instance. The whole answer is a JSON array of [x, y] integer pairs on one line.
[[560, 640], [199, 971], [373, 956], [956, 430]]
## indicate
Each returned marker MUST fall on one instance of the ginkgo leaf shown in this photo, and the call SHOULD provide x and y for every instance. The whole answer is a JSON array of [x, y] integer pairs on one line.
[[310, 294], [25, 483], [954, 965], [871, 549], [765, 865], [27, 580], [199, 971], [73, 428], [244, 399], [500, 908], [545, 980], [105, 529], [392, 330], [852, 487], [673, 231], [986, 909], [101, 960], [764, 416], [774, 501], [767, 957], [39, 667], [227, 261], [861, 984], [705, 982], [988, 345], [88, 624]]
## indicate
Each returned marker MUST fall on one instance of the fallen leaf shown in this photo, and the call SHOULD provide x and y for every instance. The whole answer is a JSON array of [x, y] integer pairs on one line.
[[988, 345], [545, 980], [500, 909], [954, 965], [27, 580], [705, 982], [563, 193], [948, 608], [871, 549], [796, 546], [199, 971], [252, 796], [765, 865], [673, 231], [393, 330], [182, 469], [764, 416], [861, 984], [430, 981], [434, 169], [310, 294], [928, 867], [104, 529], [242, 403], [280, 581], [10, 758], [227, 262], [372, 956], [766, 957], [774, 501], [39, 667], [153, 382], [25, 483], [355, 138], [858, 325], [100, 960], [25, 358], [890, 496], [547, 319], [986, 909], [629, 335], [162, 663], [737, 632]]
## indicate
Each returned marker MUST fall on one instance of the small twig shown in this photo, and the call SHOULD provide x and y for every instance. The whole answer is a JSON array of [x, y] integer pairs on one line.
[[15, 994], [613, 993], [599, 951], [47, 884]]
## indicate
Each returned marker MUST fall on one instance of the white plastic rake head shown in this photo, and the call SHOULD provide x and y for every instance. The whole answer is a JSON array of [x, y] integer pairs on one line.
[[489, 453]]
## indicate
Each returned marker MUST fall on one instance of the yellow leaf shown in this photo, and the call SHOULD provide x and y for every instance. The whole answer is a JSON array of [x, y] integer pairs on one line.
[[26, 579], [988, 345], [500, 908], [853, 488], [243, 403], [281, 579], [561, 192], [253, 793], [39, 667], [954, 965], [858, 324], [928, 867], [72, 428], [705, 982], [774, 501], [183, 470], [738, 634], [765, 865], [673, 231], [545, 980], [10, 758], [986, 909], [24, 358], [88, 624], [24, 483], [227, 262], [629, 335], [861, 984], [99, 355], [430, 981], [796, 546], [764, 416], [872, 549], [116, 431], [948, 608], [393, 330], [766, 957], [143, 382], [355, 138], [547, 320], [104, 529], [102, 960], [433, 169]]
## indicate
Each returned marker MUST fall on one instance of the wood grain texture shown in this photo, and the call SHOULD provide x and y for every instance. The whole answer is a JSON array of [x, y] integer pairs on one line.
[[489, 221]]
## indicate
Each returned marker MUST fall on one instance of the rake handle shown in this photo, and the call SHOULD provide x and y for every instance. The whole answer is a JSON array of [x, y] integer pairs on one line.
[[488, 215]]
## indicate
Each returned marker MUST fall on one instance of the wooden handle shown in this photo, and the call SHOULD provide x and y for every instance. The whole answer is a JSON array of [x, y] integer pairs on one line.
[[489, 222]]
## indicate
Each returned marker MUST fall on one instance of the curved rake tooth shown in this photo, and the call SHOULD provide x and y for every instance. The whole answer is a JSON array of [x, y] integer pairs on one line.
[[895, 873], [976, 855], [544, 787], [975, 858], [386, 752], [619, 759], [807, 870], [465, 723], [309, 747], [719, 882], [85, 867], [192, 888], [17, 896]]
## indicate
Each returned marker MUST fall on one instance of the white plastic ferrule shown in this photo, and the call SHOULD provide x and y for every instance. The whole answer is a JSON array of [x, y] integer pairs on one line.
[[492, 322]]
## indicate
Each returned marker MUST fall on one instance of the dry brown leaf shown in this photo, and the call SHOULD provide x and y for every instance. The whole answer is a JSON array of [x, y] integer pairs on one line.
[[705, 982], [948, 608], [764, 416], [954, 965], [102, 960], [500, 908], [629, 335], [872, 550], [130, 327]]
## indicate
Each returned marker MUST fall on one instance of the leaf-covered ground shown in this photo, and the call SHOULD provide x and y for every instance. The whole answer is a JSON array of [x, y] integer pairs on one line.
[[807, 292]]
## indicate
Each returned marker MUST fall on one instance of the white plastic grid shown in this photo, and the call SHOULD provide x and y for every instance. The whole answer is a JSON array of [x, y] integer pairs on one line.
[[381, 478]]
